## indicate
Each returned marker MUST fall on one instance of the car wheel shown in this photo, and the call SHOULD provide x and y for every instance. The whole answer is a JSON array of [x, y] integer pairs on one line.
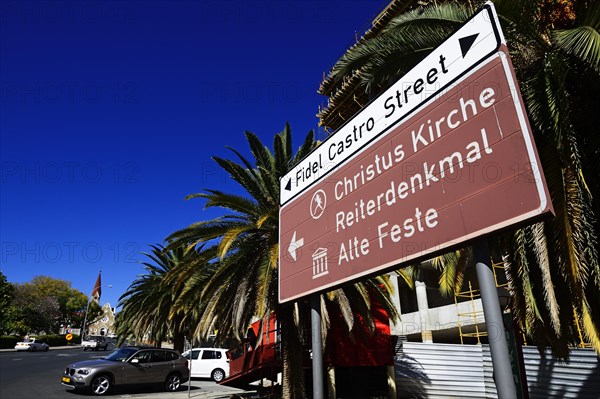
[[173, 382], [33, 348], [101, 385], [46, 349], [217, 375]]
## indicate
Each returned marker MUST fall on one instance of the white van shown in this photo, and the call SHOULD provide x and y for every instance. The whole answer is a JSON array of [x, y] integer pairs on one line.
[[208, 363], [94, 342]]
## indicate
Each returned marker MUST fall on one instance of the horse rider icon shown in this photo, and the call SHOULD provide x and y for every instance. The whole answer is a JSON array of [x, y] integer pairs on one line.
[[318, 204]]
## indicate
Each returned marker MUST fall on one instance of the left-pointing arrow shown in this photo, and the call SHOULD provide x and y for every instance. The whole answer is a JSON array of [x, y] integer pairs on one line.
[[288, 186], [294, 245]]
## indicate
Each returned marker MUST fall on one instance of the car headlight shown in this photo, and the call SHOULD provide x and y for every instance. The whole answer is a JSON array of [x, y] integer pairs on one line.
[[83, 371]]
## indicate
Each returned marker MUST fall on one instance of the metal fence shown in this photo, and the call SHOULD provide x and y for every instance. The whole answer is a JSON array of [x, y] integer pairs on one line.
[[547, 378], [465, 371]]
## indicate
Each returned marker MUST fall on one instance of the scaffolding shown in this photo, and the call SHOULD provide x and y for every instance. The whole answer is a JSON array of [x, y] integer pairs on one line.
[[465, 317], [473, 314]]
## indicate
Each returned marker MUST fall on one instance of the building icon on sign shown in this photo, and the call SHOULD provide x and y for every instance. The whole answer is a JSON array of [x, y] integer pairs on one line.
[[320, 263]]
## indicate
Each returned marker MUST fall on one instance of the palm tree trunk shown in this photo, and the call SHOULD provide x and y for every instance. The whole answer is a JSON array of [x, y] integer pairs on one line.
[[293, 373], [178, 342], [178, 334]]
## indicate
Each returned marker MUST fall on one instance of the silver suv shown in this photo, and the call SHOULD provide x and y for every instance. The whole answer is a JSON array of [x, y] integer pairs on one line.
[[128, 366]]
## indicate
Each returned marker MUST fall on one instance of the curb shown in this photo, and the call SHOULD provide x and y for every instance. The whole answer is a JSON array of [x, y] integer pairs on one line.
[[200, 395], [52, 348]]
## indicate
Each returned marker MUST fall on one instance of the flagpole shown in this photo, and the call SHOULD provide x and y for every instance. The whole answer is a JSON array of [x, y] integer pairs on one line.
[[85, 318]]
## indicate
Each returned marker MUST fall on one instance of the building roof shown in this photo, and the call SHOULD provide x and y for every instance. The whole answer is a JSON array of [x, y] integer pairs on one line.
[[344, 97]]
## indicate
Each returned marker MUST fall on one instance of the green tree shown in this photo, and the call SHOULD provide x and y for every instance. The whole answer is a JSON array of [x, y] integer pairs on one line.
[[72, 303], [46, 304], [552, 266], [6, 297], [240, 285], [31, 312]]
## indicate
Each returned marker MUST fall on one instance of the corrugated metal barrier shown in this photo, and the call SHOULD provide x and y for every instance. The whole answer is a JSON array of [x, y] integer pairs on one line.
[[440, 371], [547, 378], [465, 371], [488, 373]]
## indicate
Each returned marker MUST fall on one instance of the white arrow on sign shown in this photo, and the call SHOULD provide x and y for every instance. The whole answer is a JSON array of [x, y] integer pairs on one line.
[[294, 245], [478, 39]]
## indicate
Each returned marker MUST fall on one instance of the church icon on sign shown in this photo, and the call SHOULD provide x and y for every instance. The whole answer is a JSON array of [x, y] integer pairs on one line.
[[319, 258]]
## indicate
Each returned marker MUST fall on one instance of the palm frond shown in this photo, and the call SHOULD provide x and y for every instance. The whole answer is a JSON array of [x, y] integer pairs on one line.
[[582, 41], [408, 274], [261, 153], [540, 249], [307, 146], [452, 13]]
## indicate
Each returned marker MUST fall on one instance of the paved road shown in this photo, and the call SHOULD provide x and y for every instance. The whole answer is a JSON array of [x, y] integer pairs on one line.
[[25, 375]]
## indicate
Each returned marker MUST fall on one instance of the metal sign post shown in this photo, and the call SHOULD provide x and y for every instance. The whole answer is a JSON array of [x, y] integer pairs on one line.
[[503, 375], [317, 346], [188, 346]]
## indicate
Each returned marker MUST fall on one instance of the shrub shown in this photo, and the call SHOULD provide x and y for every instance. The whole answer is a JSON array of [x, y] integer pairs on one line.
[[8, 341], [57, 340]]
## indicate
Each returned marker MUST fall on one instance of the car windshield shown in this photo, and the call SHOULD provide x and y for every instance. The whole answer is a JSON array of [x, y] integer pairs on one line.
[[121, 355]]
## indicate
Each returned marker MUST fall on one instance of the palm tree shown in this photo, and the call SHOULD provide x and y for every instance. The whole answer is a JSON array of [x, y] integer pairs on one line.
[[552, 267], [242, 286], [149, 304]]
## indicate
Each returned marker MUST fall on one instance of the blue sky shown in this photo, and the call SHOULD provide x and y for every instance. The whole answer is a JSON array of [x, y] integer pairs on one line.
[[111, 111]]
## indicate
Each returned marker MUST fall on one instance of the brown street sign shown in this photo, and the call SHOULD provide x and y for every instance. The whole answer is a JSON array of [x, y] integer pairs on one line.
[[463, 167]]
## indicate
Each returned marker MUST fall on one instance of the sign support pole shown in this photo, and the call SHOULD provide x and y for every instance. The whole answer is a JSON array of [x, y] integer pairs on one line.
[[317, 347], [188, 345], [503, 376]]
